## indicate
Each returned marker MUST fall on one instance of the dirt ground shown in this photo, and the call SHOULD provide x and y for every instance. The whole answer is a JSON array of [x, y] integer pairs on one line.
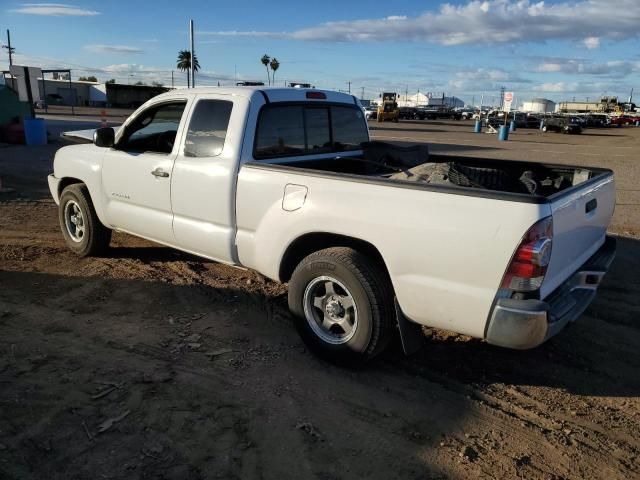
[[149, 363]]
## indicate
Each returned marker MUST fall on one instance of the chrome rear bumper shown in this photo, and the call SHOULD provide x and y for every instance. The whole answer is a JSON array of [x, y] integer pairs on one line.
[[524, 324]]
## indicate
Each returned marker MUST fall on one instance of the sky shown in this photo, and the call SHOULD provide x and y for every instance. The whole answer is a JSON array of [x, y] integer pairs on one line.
[[561, 49]]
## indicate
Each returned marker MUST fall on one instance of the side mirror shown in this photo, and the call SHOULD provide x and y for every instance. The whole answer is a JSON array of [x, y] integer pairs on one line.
[[104, 137]]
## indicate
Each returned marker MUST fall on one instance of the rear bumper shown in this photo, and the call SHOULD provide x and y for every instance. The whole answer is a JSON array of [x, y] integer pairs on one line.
[[524, 324]]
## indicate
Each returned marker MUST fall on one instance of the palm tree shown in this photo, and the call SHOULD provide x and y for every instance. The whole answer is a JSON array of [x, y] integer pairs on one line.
[[184, 63], [265, 61], [275, 64]]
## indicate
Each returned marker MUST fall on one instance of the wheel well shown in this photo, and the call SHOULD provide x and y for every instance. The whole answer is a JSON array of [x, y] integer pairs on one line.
[[312, 242], [65, 182]]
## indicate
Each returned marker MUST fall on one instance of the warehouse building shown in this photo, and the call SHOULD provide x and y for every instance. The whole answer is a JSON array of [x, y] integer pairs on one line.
[[92, 94]]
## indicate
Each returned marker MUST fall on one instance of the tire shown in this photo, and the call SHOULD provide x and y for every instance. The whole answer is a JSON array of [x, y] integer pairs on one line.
[[90, 237], [544, 128], [354, 279]]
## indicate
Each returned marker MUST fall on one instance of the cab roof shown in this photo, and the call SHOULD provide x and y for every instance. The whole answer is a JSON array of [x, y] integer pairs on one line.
[[271, 94]]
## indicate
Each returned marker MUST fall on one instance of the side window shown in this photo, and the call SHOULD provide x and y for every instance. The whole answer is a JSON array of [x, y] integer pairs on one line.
[[348, 127], [280, 132], [208, 128], [154, 129]]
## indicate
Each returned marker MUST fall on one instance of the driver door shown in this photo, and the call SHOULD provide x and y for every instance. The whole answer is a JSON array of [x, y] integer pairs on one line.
[[136, 172]]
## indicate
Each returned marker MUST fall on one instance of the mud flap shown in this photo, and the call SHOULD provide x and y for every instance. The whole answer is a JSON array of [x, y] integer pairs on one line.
[[411, 334]]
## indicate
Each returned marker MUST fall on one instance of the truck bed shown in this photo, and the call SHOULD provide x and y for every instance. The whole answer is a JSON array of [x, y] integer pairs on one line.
[[502, 178]]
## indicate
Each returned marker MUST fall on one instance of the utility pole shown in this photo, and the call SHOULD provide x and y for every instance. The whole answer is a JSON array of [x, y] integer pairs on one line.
[[9, 48], [362, 94], [193, 56], [171, 78], [349, 87]]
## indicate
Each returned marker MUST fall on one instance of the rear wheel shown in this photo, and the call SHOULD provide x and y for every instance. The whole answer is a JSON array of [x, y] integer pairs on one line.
[[343, 305], [82, 230]]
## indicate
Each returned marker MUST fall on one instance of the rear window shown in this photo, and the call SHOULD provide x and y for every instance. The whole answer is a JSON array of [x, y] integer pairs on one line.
[[349, 128], [286, 130]]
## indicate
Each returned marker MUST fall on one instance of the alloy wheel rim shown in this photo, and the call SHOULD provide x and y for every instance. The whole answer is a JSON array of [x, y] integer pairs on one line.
[[74, 221], [330, 310]]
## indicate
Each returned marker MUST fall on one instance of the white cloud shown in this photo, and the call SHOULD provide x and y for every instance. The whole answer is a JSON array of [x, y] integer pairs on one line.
[[592, 42], [487, 22], [54, 10], [556, 87], [113, 49], [573, 67], [483, 79]]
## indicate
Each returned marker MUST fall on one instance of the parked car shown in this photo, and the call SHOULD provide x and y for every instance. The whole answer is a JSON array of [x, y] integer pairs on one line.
[[370, 113], [622, 120], [408, 113], [466, 113], [286, 182], [561, 125], [435, 113], [597, 120]]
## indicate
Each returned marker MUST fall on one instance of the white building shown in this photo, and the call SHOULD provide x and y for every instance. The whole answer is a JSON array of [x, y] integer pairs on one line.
[[539, 105], [422, 100]]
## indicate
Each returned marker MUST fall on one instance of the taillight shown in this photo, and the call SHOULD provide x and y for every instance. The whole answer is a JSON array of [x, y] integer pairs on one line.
[[316, 95], [530, 261]]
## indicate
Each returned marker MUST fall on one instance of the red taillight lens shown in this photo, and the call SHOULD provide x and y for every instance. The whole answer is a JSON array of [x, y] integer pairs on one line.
[[317, 95], [529, 263]]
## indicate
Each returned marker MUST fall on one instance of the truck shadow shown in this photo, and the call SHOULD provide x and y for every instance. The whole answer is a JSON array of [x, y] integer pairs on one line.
[[154, 254], [211, 377]]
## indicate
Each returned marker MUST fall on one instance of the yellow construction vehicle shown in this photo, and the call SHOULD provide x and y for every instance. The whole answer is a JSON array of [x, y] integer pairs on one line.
[[388, 108]]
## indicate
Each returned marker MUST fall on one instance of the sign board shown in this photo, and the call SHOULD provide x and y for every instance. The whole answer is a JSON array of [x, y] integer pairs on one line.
[[508, 98], [26, 82]]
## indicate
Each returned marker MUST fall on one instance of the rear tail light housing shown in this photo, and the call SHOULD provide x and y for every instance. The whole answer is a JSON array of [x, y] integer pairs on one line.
[[529, 263]]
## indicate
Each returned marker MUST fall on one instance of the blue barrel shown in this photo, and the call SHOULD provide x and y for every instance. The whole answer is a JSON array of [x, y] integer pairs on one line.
[[503, 133], [637, 123], [541, 124], [512, 126], [478, 127], [35, 131]]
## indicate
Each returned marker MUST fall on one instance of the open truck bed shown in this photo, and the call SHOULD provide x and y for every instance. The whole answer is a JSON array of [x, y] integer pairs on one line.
[[530, 182]]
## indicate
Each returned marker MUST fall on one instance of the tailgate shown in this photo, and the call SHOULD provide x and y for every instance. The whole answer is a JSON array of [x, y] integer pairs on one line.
[[581, 216]]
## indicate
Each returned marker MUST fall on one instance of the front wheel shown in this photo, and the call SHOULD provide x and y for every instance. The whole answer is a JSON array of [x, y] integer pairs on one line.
[[343, 305], [81, 228]]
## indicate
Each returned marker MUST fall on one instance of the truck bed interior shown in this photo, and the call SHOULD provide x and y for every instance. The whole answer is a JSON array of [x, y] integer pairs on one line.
[[416, 166]]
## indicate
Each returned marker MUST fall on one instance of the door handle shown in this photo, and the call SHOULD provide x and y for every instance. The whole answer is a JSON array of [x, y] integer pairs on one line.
[[158, 172]]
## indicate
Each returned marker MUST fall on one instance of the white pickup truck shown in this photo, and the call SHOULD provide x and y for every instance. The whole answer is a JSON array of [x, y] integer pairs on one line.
[[286, 182]]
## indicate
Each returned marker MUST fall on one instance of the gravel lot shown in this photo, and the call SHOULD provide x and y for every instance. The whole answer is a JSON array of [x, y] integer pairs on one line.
[[150, 363]]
